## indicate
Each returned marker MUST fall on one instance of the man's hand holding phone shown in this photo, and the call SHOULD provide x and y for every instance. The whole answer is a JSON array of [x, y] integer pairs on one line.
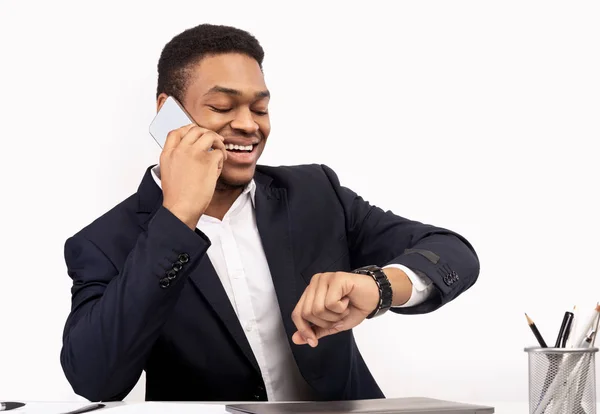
[[189, 171]]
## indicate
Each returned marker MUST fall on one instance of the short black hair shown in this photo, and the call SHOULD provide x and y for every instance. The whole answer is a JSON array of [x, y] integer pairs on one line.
[[189, 47]]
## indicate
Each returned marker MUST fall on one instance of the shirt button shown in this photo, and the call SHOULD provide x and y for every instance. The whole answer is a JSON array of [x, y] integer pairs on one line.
[[249, 327]]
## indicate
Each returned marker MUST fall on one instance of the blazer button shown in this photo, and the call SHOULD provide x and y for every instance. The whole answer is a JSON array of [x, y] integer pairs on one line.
[[164, 282], [171, 274], [184, 258]]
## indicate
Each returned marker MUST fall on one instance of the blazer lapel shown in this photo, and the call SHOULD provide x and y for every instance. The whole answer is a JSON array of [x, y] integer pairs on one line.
[[272, 220], [207, 281], [204, 277], [274, 225]]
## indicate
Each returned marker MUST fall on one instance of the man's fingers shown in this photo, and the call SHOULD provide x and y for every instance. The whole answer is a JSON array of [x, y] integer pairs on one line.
[[313, 311], [219, 154], [174, 137], [304, 328], [298, 339], [219, 146], [192, 135], [325, 318], [336, 299], [319, 308], [307, 306], [218, 158], [198, 138], [321, 332], [325, 308], [353, 317], [208, 140]]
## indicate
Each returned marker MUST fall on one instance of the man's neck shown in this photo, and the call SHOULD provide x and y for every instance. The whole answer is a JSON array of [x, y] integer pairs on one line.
[[221, 202]]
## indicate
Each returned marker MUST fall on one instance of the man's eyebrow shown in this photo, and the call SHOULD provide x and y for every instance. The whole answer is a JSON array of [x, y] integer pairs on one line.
[[262, 94], [235, 92]]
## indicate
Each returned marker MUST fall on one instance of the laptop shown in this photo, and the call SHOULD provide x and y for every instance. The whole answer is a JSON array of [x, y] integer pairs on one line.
[[413, 405]]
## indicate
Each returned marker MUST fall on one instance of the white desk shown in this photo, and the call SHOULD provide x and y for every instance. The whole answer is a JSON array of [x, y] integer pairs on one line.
[[131, 407]]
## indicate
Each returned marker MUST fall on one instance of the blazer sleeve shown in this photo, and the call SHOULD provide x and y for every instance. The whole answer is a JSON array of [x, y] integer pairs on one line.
[[378, 237], [118, 309]]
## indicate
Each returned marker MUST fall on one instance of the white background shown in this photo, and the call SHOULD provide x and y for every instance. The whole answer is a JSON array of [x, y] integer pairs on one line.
[[473, 115]]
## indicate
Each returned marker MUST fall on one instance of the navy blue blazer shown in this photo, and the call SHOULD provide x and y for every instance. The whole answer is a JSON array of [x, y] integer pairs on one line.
[[146, 297]]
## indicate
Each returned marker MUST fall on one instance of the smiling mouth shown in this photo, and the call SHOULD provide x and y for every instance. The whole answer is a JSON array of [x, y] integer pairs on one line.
[[240, 148]]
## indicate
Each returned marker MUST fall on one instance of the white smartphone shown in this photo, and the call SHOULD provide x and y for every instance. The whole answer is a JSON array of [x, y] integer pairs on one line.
[[171, 116]]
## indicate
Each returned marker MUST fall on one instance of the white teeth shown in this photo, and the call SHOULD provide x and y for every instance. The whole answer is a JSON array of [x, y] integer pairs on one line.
[[238, 147]]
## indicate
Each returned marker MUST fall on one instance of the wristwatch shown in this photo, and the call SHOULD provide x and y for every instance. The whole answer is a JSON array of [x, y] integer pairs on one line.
[[384, 285]]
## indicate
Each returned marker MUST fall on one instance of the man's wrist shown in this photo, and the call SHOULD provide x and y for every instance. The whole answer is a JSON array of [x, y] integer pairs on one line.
[[190, 219], [401, 285], [384, 289]]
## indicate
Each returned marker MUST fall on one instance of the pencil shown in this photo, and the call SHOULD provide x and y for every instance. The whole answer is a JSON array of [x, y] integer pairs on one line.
[[589, 326], [536, 332]]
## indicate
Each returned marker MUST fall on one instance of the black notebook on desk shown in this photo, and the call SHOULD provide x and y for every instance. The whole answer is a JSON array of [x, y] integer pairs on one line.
[[383, 406]]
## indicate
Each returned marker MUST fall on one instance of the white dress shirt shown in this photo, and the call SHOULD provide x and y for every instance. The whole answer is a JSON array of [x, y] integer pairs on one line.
[[237, 255]]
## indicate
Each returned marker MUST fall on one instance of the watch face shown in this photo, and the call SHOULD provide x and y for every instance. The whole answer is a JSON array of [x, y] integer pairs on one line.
[[369, 268]]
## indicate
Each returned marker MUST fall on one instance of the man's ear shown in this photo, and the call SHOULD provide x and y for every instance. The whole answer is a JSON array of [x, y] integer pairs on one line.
[[161, 100]]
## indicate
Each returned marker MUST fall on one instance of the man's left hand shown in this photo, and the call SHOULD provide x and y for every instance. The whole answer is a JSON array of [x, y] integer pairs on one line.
[[333, 302], [336, 302]]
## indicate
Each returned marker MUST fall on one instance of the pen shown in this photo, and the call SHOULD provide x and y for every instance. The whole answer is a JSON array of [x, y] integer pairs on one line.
[[9, 405], [594, 334], [554, 360], [589, 325], [536, 332], [581, 381], [570, 343], [565, 330], [591, 338], [87, 408], [557, 391], [588, 342]]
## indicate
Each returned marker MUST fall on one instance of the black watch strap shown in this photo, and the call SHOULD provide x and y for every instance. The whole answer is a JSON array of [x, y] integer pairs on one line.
[[384, 285]]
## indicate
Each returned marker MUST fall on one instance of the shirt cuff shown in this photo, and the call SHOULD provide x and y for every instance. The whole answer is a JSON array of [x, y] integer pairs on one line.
[[422, 287]]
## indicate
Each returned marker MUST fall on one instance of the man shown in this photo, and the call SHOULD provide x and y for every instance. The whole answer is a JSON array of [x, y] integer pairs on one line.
[[228, 281]]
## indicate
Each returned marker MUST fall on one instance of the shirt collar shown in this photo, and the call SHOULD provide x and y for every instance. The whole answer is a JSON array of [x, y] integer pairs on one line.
[[249, 189]]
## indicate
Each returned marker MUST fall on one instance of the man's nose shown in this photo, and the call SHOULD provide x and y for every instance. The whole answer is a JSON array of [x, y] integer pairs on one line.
[[244, 121]]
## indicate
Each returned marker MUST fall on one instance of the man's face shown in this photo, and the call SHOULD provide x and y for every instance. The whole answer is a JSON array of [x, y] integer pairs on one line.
[[227, 94]]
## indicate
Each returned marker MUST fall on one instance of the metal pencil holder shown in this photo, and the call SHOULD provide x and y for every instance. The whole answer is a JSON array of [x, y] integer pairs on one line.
[[562, 380]]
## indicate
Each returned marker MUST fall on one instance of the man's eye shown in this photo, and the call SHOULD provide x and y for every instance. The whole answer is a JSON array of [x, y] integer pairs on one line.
[[260, 112], [219, 110]]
